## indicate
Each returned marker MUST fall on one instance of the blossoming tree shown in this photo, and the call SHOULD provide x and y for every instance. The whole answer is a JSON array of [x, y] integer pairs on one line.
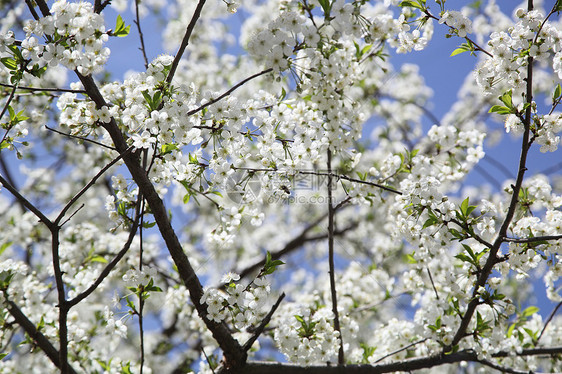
[[295, 207]]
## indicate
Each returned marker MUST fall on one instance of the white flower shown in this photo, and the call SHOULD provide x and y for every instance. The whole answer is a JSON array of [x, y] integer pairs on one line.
[[144, 140]]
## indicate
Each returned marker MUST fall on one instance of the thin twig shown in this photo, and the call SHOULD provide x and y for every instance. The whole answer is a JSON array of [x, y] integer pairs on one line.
[[39, 89], [341, 358], [548, 321], [263, 323], [80, 138], [137, 21], [333, 175], [492, 257], [25, 202], [109, 267], [5, 108], [341, 176], [232, 89], [185, 41], [292, 245], [207, 358], [432, 284], [533, 239], [90, 184], [400, 350]]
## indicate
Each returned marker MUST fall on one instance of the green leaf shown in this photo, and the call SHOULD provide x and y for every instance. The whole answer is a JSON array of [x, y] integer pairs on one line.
[[10, 63], [529, 311], [283, 94], [410, 259], [99, 259], [186, 198], [12, 113], [506, 99], [4, 246], [167, 148], [120, 29], [2, 355], [458, 51], [16, 51], [558, 6], [326, 6], [499, 109], [464, 206], [417, 4]]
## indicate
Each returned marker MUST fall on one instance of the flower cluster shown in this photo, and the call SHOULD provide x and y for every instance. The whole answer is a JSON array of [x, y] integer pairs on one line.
[[510, 51], [306, 336], [75, 36], [242, 303], [457, 21]]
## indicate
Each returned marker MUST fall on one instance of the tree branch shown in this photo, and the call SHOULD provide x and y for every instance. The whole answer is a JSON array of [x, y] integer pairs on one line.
[[185, 41], [548, 321], [39, 89], [492, 257], [411, 364], [334, 295], [263, 323], [79, 138], [141, 37], [231, 90], [105, 272], [89, 184], [295, 243], [30, 329], [234, 355], [534, 239], [26, 203]]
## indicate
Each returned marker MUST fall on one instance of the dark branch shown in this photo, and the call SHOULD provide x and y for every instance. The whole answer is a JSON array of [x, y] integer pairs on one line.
[[534, 239], [39, 89], [263, 323], [231, 90], [41, 340], [185, 41]]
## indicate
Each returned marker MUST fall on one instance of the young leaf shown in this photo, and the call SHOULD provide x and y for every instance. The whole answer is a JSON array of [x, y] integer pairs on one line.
[[120, 29], [506, 99], [499, 109], [10, 63]]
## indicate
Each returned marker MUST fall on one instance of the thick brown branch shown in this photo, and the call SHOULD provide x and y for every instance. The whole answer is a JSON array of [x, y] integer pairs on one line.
[[233, 352], [41, 340], [534, 239], [402, 366]]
